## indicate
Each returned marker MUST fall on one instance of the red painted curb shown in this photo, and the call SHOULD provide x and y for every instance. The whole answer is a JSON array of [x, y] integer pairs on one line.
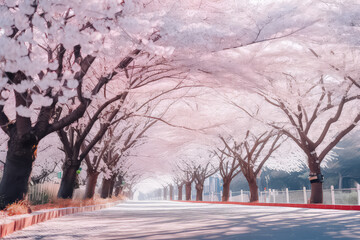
[[18, 224], [318, 206]]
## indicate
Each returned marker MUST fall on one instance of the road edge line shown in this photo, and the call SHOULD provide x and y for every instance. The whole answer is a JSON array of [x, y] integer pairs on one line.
[[315, 206]]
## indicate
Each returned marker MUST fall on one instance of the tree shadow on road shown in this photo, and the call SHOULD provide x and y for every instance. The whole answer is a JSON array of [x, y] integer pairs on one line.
[[203, 221]]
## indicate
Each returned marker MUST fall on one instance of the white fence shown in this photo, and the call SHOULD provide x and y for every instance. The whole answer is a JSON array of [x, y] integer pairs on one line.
[[45, 192], [42, 193], [345, 196]]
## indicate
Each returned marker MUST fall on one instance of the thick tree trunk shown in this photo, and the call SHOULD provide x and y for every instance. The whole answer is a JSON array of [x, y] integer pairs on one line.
[[105, 189], [15, 180], [118, 190], [316, 193], [180, 187], [254, 194], [68, 179], [199, 191], [226, 191], [316, 180], [188, 191], [91, 184]]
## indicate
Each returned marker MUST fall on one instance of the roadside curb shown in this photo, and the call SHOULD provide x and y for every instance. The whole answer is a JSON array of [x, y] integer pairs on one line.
[[38, 217], [317, 206]]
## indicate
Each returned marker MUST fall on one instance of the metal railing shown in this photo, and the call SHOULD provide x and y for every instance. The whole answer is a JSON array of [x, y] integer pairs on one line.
[[345, 196]]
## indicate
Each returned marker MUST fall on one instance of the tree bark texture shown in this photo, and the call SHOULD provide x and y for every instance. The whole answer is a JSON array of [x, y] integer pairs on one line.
[[118, 191], [316, 193], [105, 189], [68, 180], [226, 191], [316, 187], [19, 159], [188, 191], [199, 191], [254, 194], [180, 187], [91, 184]]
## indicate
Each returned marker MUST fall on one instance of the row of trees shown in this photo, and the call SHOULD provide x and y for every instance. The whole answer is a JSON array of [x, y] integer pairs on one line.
[[86, 70], [71, 74], [297, 120], [307, 97], [232, 159]]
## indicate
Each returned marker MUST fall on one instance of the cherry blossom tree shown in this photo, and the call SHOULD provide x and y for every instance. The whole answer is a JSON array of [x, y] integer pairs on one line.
[[73, 141], [337, 49], [57, 56], [328, 58], [228, 169], [139, 78], [202, 172], [188, 176], [179, 182], [311, 84], [119, 185], [53, 46], [313, 102], [195, 165], [131, 180], [320, 111], [252, 153], [111, 156]]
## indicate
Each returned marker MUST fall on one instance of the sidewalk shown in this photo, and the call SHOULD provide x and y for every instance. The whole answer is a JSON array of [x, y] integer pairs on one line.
[[179, 220], [18, 222]]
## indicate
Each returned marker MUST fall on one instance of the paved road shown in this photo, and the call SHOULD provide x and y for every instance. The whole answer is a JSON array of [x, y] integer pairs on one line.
[[173, 220]]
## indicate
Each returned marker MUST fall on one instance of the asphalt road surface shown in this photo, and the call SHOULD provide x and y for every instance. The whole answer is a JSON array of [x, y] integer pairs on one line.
[[175, 220]]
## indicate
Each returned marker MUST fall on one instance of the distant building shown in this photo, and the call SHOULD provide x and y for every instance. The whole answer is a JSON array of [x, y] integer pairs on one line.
[[213, 185]]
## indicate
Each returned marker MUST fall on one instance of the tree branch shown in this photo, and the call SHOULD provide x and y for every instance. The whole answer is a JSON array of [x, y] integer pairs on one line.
[[338, 138]]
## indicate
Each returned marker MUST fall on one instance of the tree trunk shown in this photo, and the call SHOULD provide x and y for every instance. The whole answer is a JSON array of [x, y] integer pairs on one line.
[[118, 185], [171, 192], [226, 191], [180, 187], [118, 190], [199, 190], [254, 195], [68, 179], [188, 191], [15, 180], [316, 180], [199, 195], [316, 193], [112, 184], [105, 189], [91, 184]]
